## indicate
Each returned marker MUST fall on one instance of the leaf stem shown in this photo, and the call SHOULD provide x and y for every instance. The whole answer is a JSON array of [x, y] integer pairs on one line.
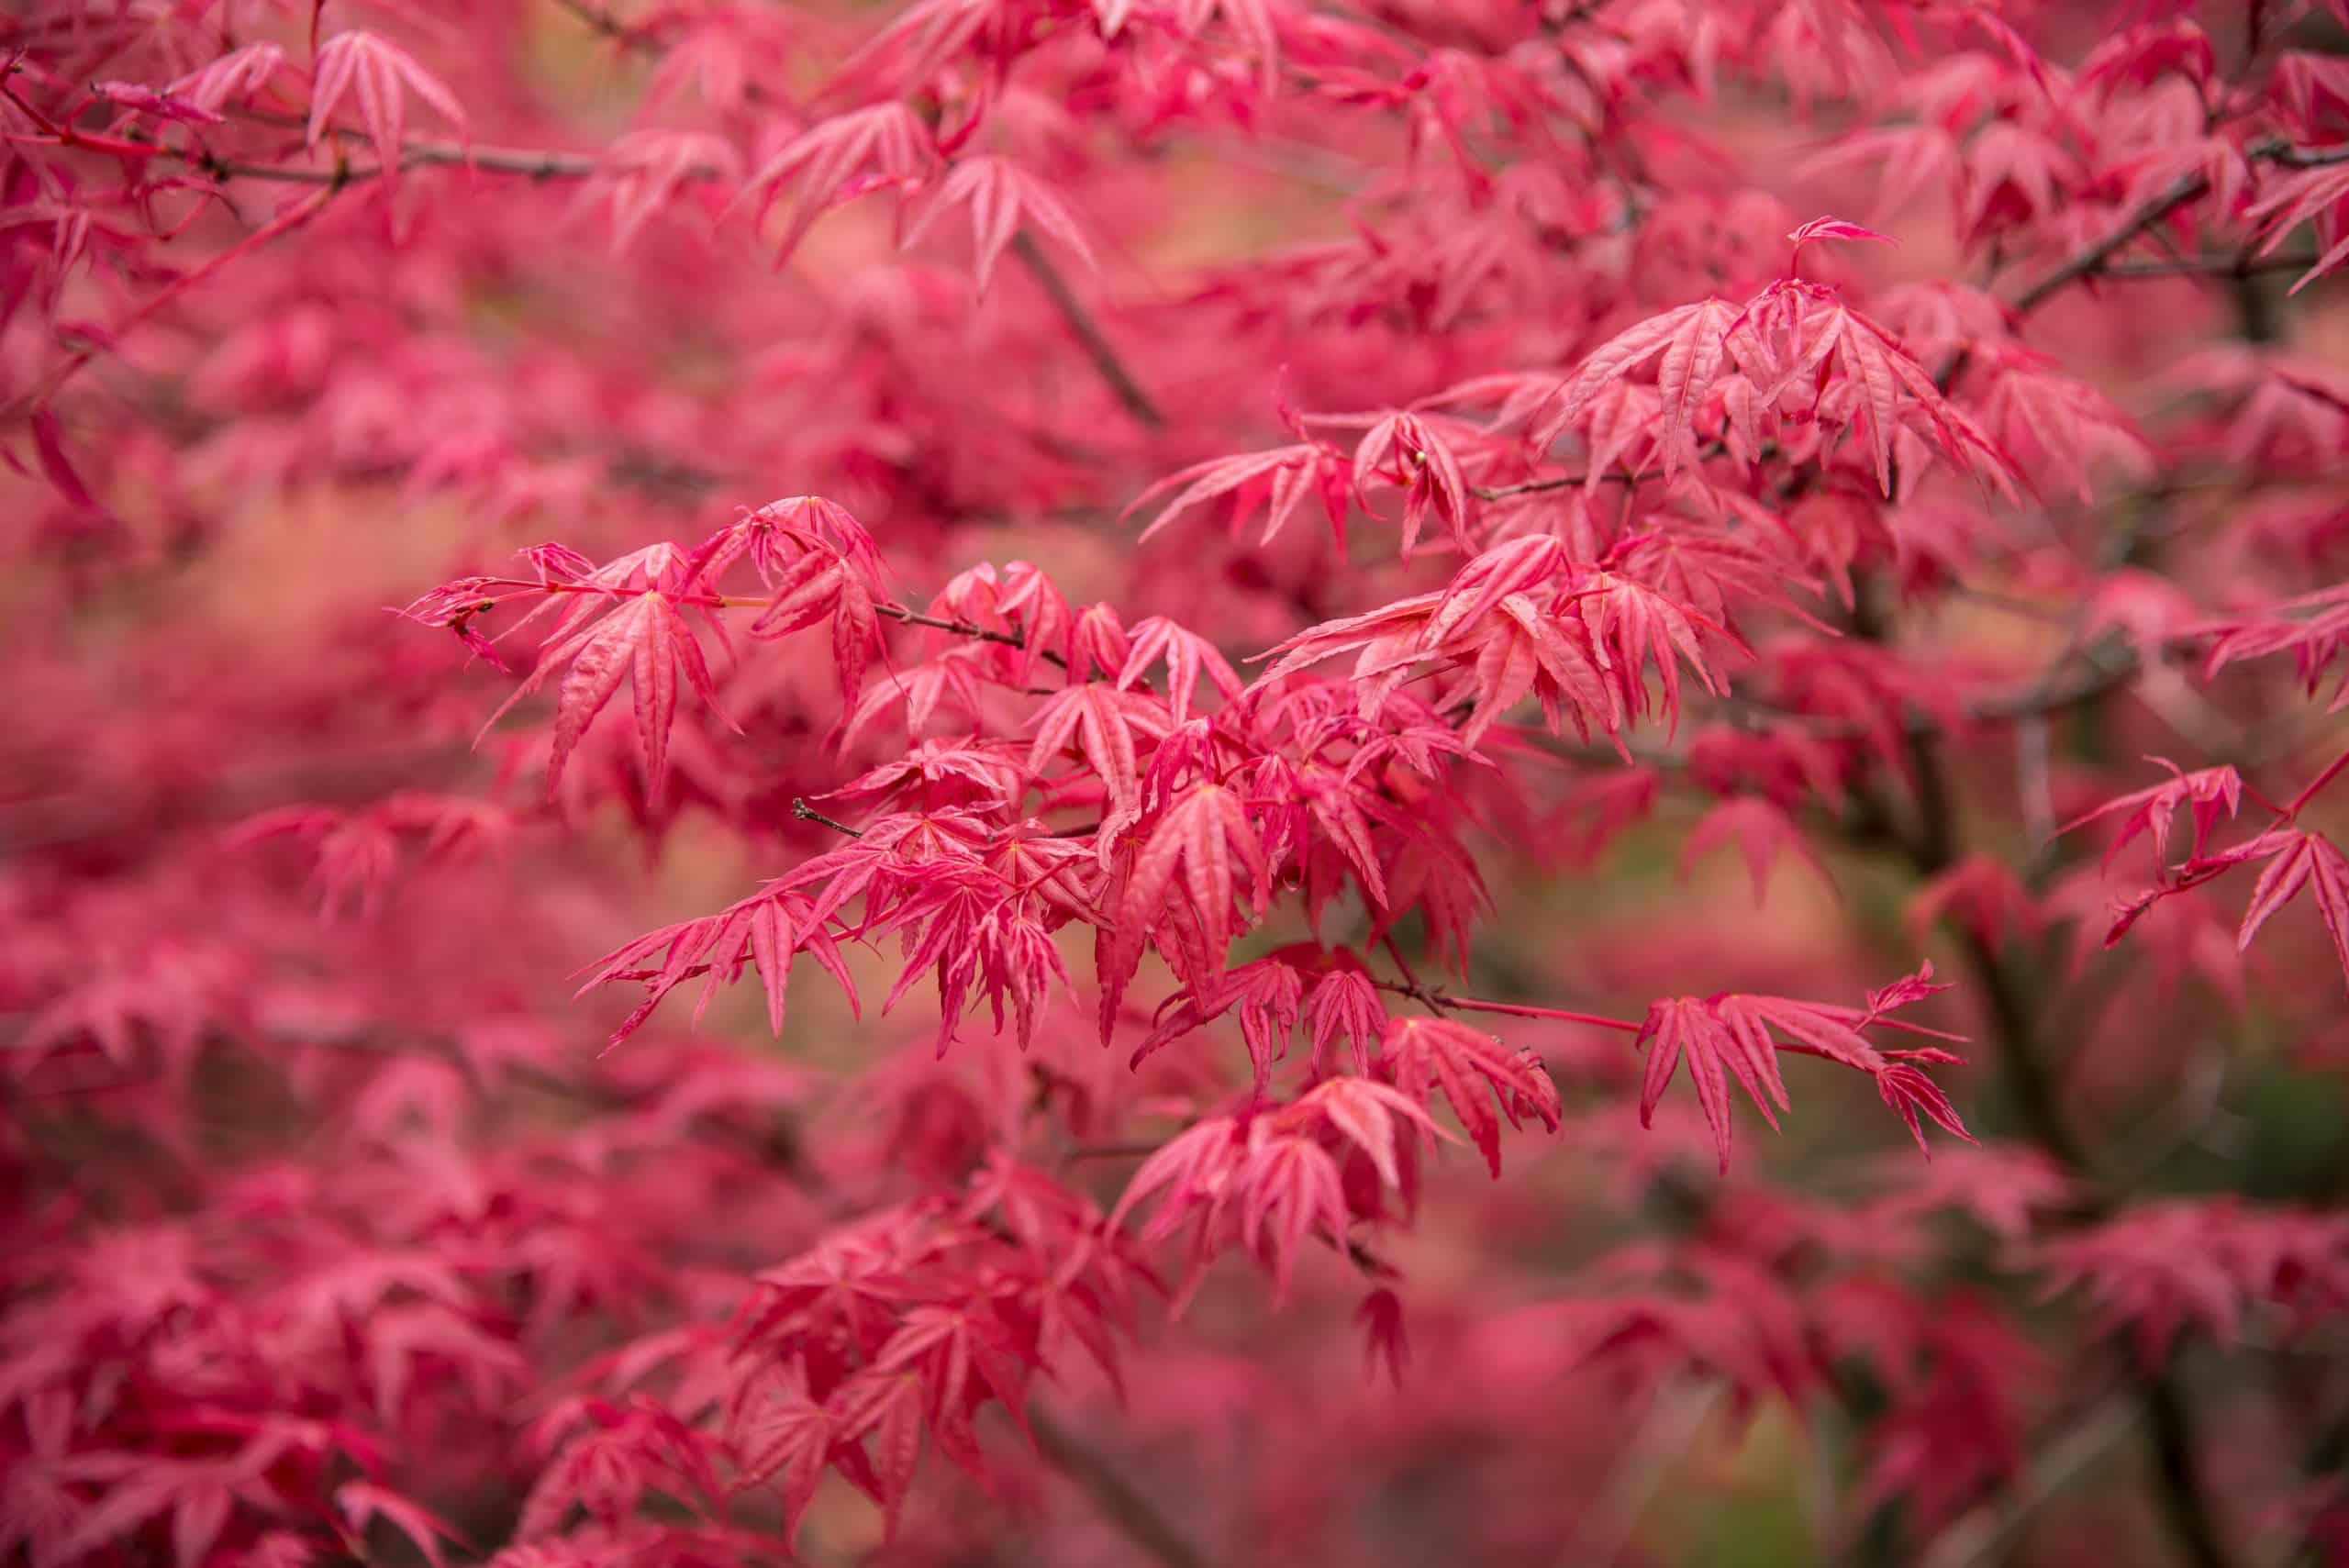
[[1437, 998]]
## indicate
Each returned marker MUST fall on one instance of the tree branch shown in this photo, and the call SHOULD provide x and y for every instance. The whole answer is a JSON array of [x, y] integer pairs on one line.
[[2187, 188], [1087, 331], [1118, 1498], [806, 812], [2184, 189], [1932, 848], [1436, 999]]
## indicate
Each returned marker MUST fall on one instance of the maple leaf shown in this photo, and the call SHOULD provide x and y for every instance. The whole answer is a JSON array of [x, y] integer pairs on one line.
[[1520, 652], [1628, 624], [2208, 791], [1331, 806], [1982, 894], [1189, 1169], [2141, 55], [1790, 333], [2319, 194], [381, 74], [1384, 1340], [611, 1457], [1517, 566], [646, 172], [1386, 641], [763, 930], [1476, 1072], [1344, 1002], [1022, 599], [2312, 627], [2013, 174], [1710, 1040], [1908, 1091], [199, 1497], [943, 773], [837, 159], [2296, 859], [963, 1355], [1198, 834], [1269, 993], [1434, 874], [1289, 1186], [1958, 1376], [1104, 722], [1729, 1035], [1762, 832], [963, 925], [783, 1437], [641, 640], [1370, 1115], [1280, 481], [1403, 450], [1659, 1315], [1000, 196], [2061, 423], [2002, 1188], [239, 73], [824, 582], [2158, 1268], [1691, 340], [142, 100], [1188, 657], [1834, 228], [952, 682]]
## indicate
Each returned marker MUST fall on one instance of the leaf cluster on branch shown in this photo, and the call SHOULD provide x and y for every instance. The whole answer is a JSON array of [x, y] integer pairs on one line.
[[1301, 530]]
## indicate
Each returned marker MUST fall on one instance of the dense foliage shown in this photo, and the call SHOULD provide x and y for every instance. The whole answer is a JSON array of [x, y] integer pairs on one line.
[[1365, 811]]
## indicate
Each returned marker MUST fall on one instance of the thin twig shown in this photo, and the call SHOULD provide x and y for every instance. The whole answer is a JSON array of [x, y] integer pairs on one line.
[[531, 163], [806, 812], [1437, 998]]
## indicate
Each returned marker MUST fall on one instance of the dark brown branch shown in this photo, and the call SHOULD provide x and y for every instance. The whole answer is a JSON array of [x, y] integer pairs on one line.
[[1436, 998], [2187, 188], [1567, 481], [1087, 331], [2301, 157], [1118, 1498], [806, 812], [1931, 847], [2241, 265], [535, 163], [905, 615]]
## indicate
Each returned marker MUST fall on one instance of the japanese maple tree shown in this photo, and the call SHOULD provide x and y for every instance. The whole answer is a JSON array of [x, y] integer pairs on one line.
[[946, 783]]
